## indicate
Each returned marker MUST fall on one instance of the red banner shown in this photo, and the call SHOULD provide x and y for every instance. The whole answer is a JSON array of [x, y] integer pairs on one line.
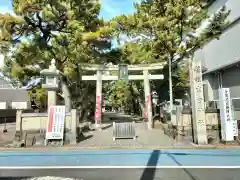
[[50, 121], [98, 109]]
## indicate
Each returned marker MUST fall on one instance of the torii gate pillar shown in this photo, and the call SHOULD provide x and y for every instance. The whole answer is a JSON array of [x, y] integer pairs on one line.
[[148, 102], [146, 77], [98, 110]]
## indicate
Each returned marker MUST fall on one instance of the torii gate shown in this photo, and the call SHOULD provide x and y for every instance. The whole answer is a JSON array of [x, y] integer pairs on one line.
[[99, 77]]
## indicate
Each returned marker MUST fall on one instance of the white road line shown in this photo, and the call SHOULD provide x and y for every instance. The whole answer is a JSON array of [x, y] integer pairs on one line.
[[116, 167]]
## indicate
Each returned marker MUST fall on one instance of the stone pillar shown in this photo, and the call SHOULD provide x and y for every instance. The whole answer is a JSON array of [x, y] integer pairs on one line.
[[52, 98], [197, 102], [148, 102], [98, 111], [18, 134], [18, 120]]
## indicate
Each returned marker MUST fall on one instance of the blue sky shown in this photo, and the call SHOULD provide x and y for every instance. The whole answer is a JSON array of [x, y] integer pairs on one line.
[[109, 8], [5, 6]]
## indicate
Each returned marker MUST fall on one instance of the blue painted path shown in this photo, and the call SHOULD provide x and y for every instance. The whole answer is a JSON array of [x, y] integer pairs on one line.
[[123, 158]]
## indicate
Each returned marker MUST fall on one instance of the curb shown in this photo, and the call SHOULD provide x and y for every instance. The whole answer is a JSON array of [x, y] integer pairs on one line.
[[74, 148]]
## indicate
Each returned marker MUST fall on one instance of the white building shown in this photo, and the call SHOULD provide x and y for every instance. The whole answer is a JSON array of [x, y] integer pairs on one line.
[[221, 58], [12, 98]]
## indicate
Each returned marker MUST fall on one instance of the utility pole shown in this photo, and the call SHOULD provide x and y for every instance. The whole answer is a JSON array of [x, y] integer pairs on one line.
[[170, 86]]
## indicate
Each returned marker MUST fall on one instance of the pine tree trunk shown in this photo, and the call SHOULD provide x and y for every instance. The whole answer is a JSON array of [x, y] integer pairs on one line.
[[140, 101], [67, 95]]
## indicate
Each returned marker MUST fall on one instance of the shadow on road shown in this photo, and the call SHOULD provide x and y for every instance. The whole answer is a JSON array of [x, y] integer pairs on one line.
[[83, 138], [149, 172], [107, 127], [184, 169]]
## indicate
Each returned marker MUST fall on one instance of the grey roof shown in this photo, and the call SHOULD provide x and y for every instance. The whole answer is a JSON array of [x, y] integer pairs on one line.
[[14, 95], [5, 84]]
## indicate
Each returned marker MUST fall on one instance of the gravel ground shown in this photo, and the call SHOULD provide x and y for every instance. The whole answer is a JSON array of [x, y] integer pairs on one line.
[[145, 138], [104, 139], [7, 138]]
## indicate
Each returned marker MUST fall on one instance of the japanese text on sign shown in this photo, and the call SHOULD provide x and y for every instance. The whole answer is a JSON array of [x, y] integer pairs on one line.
[[227, 105], [198, 91], [55, 125]]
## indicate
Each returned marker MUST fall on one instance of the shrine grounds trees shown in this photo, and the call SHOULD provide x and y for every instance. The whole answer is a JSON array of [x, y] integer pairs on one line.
[[168, 31], [71, 32], [68, 31]]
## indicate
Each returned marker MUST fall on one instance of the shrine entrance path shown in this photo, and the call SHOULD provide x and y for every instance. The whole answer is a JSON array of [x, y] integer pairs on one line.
[[145, 138]]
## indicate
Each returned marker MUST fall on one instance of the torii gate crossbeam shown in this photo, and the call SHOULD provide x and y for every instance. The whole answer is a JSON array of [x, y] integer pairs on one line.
[[99, 77]]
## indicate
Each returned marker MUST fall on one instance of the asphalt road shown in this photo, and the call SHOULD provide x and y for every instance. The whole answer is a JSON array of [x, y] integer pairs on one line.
[[220, 157], [123, 164], [127, 174]]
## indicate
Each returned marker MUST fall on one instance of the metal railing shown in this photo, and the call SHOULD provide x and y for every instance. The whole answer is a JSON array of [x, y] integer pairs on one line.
[[124, 130]]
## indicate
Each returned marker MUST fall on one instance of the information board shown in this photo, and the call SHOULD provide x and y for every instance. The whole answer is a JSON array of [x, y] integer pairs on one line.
[[226, 115], [55, 123]]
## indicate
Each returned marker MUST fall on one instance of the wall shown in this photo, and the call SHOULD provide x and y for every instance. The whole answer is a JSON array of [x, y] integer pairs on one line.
[[37, 122], [231, 79], [212, 83], [184, 125], [186, 121], [225, 51], [34, 122], [20, 105], [228, 78], [14, 105], [3, 105]]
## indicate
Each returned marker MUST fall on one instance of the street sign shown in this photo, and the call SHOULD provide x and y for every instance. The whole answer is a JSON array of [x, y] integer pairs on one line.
[[55, 123], [123, 72], [227, 123]]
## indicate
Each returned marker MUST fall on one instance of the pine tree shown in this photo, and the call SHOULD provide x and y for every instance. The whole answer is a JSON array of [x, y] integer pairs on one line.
[[68, 31], [168, 30]]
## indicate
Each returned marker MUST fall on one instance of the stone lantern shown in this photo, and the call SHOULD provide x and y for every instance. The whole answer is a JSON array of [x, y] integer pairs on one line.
[[51, 82]]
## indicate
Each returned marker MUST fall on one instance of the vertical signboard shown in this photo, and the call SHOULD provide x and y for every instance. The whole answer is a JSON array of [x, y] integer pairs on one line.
[[235, 121], [198, 107], [227, 123], [235, 127], [55, 123]]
